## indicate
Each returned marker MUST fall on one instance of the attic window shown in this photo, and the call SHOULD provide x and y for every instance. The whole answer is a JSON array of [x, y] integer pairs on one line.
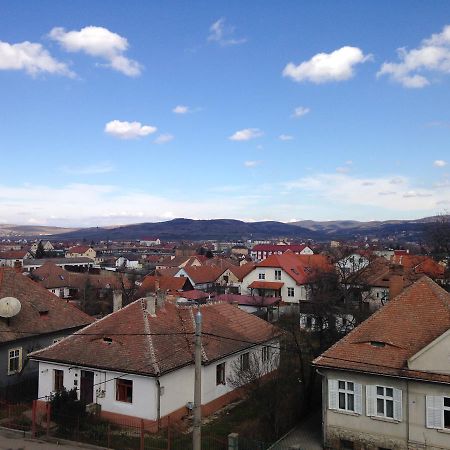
[[107, 340], [43, 313], [377, 344]]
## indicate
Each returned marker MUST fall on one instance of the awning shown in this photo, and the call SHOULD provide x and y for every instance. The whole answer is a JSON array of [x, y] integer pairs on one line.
[[273, 285]]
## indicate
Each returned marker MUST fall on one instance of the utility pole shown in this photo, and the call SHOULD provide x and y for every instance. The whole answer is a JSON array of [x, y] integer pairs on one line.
[[197, 431]]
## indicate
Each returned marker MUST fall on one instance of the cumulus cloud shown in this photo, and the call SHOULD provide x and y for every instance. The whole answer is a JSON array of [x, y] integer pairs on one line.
[[415, 66], [300, 111], [164, 138], [440, 163], [224, 35], [181, 109], [32, 58], [98, 42], [252, 163], [128, 130], [246, 134], [285, 137], [326, 67]]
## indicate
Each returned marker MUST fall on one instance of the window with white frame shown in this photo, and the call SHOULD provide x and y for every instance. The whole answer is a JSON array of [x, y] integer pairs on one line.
[[277, 274], [14, 360], [265, 353], [290, 292], [438, 412], [384, 401], [262, 276], [345, 396]]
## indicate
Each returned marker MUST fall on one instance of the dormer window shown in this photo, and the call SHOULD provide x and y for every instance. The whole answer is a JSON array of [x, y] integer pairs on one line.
[[377, 344], [107, 340]]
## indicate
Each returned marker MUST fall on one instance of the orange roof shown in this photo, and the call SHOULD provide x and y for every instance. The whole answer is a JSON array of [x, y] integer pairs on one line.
[[159, 344], [420, 264], [166, 283], [302, 268], [266, 285], [79, 249], [407, 324], [203, 274]]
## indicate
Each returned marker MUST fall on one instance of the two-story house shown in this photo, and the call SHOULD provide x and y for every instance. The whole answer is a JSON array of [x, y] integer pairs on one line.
[[79, 251], [386, 384]]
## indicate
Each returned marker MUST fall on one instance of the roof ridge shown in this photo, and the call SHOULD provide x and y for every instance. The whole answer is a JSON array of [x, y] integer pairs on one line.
[[149, 339]]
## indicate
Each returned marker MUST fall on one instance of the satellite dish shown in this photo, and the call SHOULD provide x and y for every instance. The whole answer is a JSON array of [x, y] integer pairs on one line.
[[9, 307]]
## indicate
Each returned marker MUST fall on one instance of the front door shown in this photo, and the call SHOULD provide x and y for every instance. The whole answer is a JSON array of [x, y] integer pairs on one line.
[[87, 386]]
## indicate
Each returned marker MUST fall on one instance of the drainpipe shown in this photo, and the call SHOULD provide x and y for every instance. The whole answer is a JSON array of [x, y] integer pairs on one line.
[[158, 403], [324, 404]]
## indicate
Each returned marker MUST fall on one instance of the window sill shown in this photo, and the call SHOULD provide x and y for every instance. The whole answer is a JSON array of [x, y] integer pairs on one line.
[[444, 430], [344, 411], [385, 419]]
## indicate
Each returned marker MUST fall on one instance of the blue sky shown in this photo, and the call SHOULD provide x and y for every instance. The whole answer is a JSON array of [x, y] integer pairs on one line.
[[120, 112]]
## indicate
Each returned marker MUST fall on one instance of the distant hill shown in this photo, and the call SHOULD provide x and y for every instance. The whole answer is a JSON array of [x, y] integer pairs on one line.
[[177, 229], [31, 230]]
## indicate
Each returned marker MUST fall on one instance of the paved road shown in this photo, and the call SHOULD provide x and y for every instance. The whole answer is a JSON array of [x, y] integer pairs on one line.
[[14, 441], [306, 436]]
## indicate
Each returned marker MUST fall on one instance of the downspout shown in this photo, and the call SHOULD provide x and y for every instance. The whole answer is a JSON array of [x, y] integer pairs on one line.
[[158, 403], [324, 405]]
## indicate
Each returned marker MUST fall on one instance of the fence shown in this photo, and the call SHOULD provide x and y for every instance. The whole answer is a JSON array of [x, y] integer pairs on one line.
[[42, 423]]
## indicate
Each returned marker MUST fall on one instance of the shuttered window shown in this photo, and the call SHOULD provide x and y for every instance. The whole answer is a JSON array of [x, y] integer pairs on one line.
[[438, 412], [384, 401], [344, 396]]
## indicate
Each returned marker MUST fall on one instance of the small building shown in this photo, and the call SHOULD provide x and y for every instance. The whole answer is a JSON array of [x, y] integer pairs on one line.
[[81, 263], [80, 251], [138, 363], [14, 258], [263, 251], [150, 241]]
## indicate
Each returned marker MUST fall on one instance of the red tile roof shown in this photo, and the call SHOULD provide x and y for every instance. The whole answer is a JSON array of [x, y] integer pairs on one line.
[[79, 249], [420, 265], [407, 324], [166, 283], [160, 344], [13, 254], [203, 274], [249, 300], [279, 247], [302, 268], [35, 299], [266, 285]]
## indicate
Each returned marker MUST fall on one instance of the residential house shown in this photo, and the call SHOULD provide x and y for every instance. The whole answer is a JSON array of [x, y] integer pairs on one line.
[[79, 251], [150, 241], [129, 261], [287, 276], [138, 363], [152, 283], [231, 278], [179, 261], [386, 384], [201, 277], [421, 265], [14, 258], [46, 245], [41, 320], [263, 251]]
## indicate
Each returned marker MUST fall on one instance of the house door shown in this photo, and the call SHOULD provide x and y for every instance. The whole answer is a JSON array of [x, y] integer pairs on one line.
[[87, 386]]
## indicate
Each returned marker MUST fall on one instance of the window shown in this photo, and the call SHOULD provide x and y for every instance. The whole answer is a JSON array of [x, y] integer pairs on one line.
[[124, 390], [220, 374], [438, 412], [277, 274], [345, 396], [58, 380], [290, 292], [262, 276], [346, 390], [245, 361], [384, 401], [14, 361], [265, 353]]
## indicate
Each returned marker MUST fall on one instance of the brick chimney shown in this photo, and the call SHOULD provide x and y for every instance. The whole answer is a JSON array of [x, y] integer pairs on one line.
[[396, 281]]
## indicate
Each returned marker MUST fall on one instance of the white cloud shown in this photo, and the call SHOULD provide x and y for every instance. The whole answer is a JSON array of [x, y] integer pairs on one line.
[[98, 42], [246, 134], [31, 57], [300, 111], [164, 138], [440, 163], [128, 130], [325, 67], [223, 34], [345, 189], [252, 163], [181, 109], [285, 137], [432, 56]]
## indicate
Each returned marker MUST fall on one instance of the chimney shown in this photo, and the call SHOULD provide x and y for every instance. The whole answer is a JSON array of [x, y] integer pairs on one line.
[[150, 305], [160, 298], [117, 300], [396, 281]]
